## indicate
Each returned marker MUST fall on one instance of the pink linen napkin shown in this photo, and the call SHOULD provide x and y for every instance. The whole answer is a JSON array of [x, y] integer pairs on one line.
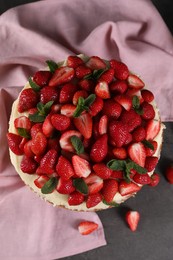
[[132, 31]]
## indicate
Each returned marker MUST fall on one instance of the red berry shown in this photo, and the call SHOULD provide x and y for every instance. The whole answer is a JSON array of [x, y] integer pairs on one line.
[[74, 61], [169, 174], [94, 183], [84, 124], [78, 94], [147, 95], [128, 188], [132, 219], [81, 166], [65, 186], [110, 188], [65, 142], [64, 168], [48, 162], [61, 76], [142, 179], [39, 143], [60, 122], [137, 153], [120, 69], [118, 86], [99, 149], [67, 93], [118, 132], [75, 198], [93, 200], [95, 63], [107, 76], [28, 99], [112, 109], [151, 162], [131, 119], [48, 94], [152, 129], [155, 179], [42, 78], [96, 106], [82, 71], [40, 181], [14, 142], [22, 122], [148, 111], [139, 134], [102, 90], [87, 227], [28, 165], [135, 82], [102, 170]]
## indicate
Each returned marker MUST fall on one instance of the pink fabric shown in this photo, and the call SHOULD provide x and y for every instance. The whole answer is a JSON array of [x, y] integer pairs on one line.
[[132, 31]]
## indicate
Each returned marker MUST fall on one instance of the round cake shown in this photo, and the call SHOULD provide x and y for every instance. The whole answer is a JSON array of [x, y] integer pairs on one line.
[[85, 133]]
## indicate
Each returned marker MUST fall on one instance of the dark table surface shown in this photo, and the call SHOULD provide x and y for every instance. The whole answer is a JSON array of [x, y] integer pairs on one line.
[[153, 239]]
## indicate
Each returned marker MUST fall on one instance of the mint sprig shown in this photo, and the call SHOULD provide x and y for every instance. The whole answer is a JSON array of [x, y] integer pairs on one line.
[[84, 104], [52, 65], [34, 85], [77, 144], [112, 203], [23, 132], [49, 186], [80, 186], [148, 144], [43, 110], [95, 75], [136, 105]]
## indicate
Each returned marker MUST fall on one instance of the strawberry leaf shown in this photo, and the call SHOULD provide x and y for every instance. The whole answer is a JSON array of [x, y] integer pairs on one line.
[[49, 186], [112, 203], [77, 144], [23, 132], [80, 186], [148, 144], [52, 65], [33, 85]]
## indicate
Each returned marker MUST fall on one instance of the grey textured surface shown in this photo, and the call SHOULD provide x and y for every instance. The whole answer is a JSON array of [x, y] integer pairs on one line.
[[154, 238]]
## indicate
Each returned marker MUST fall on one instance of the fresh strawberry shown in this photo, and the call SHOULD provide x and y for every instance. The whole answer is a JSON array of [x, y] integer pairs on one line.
[[81, 166], [27, 99], [47, 127], [84, 124], [82, 71], [132, 219], [148, 111], [120, 153], [96, 63], [131, 119], [55, 108], [86, 84], [22, 122], [139, 134], [79, 93], [75, 198], [102, 90], [149, 151], [38, 158], [169, 174], [99, 149], [42, 78], [110, 188], [94, 182], [135, 82], [35, 129], [60, 122], [65, 186], [65, 142], [74, 61], [103, 124], [118, 132], [64, 168], [152, 129], [147, 95], [128, 139], [32, 111], [27, 149], [120, 69], [87, 227], [151, 162], [112, 109], [128, 188], [39, 143], [68, 110], [117, 175], [28, 165], [142, 179], [14, 142], [155, 179], [96, 106], [107, 76], [48, 162], [61, 76], [22, 143], [102, 170], [49, 94], [118, 86], [93, 200], [67, 92], [40, 181], [96, 133], [137, 153], [124, 100]]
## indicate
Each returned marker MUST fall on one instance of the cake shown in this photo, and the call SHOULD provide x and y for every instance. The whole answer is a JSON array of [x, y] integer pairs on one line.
[[85, 134]]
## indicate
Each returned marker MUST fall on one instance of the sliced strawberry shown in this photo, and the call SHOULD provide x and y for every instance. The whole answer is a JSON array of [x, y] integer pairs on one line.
[[93, 200], [48, 94], [42, 77], [102, 90], [142, 179], [148, 111], [169, 174], [112, 109], [28, 99], [124, 100], [67, 92], [27, 149], [68, 110], [65, 186], [102, 170], [139, 134], [103, 124], [28, 165], [149, 151], [74, 61], [118, 132], [152, 129], [61, 76], [94, 182], [135, 82], [118, 86], [35, 129], [48, 162], [81, 166], [151, 162], [96, 106], [82, 71], [84, 124], [64, 168], [14, 142], [155, 179], [99, 149], [128, 188], [96, 63], [22, 122], [79, 93], [86, 84], [47, 127], [60, 122], [147, 95], [121, 70], [137, 153], [110, 188], [40, 181], [75, 198], [107, 76], [120, 153], [65, 142], [131, 119], [132, 219], [39, 143], [87, 227]]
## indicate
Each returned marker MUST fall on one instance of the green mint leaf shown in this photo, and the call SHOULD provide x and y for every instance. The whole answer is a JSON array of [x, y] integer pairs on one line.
[[112, 203], [81, 101], [52, 65], [78, 111], [36, 118], [23, 132], [44, 108], [139, 111], [47, 107], [89, 76], [148, 144], [49, 186], [132, 165], [77, 144], [117, 165], [83, 104], [40, 108], [126, 175], [135, 102], [97, 73], [33, 85], [89, 100], [80, 186]]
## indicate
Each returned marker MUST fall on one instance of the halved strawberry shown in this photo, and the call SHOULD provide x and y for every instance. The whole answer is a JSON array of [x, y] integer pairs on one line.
[[61, 76], [118, 86], [137, 153], [14, 142], [74, 61], [48, 162], [28, 99], [128, 188], [124, 100], [47, 127], [48, 94], [120, 153], [96, 106], [87, 227], [99, 149], [151, 162], [75, 198], [110, 188], [22, 122], [112, 109], [60, 122], [132, 219], [103, 124], [102, 170], [96, 63], [41, 180], [82, 71], [152, 129], [65, 186], [79, 93], [67, 92], [155, 179], [118, 132], [81, 166], [142, 179], [93, 200], [27, 149], [65, 142], [102, 90], [28, 165], [64, 168], [107, 76], [42, 77], [121, 69], [35, 129], [84, 124], [94, 182], [39, 143], [68, 110], [135, 82]]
